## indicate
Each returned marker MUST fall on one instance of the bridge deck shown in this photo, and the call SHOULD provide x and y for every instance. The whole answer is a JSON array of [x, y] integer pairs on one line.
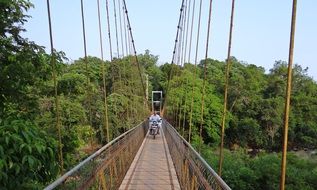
[[152, 167]]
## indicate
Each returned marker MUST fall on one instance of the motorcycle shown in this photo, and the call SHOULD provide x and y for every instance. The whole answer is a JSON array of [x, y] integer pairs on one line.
[[154, 128]]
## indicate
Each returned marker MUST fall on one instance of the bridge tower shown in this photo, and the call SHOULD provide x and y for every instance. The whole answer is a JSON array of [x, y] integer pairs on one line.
[[157, 97]]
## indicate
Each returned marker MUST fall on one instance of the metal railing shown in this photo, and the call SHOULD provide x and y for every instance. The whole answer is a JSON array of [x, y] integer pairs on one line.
[[192, 170], [106, 168]]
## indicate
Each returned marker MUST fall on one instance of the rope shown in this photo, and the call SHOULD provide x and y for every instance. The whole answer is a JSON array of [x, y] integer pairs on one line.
[[195, 73], [109, 34], [205, 76], [116, 26], [174, 51], [288, 95], [226, 92], [53, 63], [135, 53], [106, 121]]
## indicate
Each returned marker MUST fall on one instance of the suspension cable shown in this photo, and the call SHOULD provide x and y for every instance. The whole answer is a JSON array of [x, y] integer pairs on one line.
[[120, 22], [109, 34], [106, 121], [174, 52], [58, 122], [195, 73], [288, 94], [116, 26], [180, 39], [134, 49], [224, 112], [182, 62], [205, 76], [86, 64], [178, 62], [182, 44], [184, 59]]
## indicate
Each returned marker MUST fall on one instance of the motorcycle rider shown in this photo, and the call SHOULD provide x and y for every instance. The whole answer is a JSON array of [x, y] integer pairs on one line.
[[158, 119]]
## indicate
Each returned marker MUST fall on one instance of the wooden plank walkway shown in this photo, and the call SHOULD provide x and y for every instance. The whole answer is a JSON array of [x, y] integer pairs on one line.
[[152, 167]]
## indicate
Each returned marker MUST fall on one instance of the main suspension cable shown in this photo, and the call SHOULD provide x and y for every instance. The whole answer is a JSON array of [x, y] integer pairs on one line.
[[172, 63], [106, 121], [58, 121], [134, 49], [125, 31], [182, 63], [226, 92], [184, 60], [184, 33]]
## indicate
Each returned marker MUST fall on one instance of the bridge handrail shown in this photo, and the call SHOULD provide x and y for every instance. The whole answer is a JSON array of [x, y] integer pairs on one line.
[[90, 158], [219, 180]]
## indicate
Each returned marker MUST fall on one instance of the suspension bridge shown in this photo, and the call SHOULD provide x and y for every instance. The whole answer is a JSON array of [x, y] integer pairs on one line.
[[134, 160]]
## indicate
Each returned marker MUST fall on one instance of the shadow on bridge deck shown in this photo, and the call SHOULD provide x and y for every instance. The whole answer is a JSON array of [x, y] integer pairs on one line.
[[152, 167]]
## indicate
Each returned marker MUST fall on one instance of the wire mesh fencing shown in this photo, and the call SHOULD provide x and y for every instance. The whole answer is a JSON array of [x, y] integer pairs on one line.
[[106, 168], [192, 170]]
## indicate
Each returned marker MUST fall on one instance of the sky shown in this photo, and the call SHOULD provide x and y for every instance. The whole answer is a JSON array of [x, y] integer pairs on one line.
[[261, 30]]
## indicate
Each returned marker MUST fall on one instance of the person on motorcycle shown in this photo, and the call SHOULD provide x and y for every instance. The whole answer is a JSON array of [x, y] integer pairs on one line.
[[158, 119]]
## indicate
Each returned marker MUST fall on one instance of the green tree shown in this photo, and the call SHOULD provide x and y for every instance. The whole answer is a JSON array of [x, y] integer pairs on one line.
[[27, 158]]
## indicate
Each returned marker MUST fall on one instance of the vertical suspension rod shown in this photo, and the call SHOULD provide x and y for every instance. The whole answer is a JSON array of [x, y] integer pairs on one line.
[[106, 122], [116, 26], [86, 63], [187, 28], [205, 77], [195, 73], [53, 63], [120, 22], [109, 33], [191, 31], [288, 94], [224, 112]]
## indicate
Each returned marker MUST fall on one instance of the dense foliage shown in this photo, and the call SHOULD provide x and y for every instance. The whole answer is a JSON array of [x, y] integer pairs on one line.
[[255, 104], [28, 134], [255, 120]]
